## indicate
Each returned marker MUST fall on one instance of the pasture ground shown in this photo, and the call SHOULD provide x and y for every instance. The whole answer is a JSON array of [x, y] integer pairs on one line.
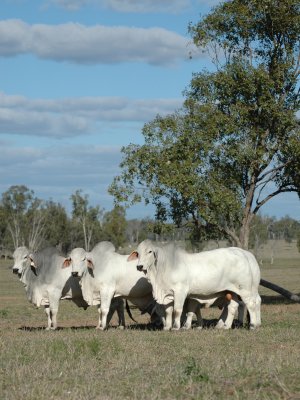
[[78, 362]]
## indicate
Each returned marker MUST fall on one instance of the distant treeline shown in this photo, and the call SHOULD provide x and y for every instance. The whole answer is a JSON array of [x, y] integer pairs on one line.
[[27, 220]]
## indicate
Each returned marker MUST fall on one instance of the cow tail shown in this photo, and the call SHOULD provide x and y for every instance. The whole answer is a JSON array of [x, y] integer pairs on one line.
[[129, 312]]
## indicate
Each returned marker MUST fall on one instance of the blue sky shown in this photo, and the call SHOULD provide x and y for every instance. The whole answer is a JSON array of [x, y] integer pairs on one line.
[[80, 78]]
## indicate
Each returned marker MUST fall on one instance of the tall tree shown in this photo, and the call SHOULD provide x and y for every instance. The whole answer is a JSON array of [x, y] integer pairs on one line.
[[87, 216], [23, 215], [57, 226], [114, 226], [235, 144]]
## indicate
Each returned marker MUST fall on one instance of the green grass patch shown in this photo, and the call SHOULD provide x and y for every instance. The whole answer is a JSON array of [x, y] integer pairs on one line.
[[79, 362]]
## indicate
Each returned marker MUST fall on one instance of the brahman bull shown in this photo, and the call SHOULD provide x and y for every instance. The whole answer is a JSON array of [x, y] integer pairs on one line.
[[104, 275], [46, 283], [176, 275]]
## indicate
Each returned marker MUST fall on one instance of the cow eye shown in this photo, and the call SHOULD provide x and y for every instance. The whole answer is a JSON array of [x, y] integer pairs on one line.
[[150, 251]]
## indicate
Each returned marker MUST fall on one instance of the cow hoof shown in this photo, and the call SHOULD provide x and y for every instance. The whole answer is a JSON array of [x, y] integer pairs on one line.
[[199, 328], [220, 325], [174, 329], [226, 327], [186, 328], [121, 327]]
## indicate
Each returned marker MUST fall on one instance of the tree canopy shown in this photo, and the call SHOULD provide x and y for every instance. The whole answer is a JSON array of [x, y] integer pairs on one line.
[[235, 144]]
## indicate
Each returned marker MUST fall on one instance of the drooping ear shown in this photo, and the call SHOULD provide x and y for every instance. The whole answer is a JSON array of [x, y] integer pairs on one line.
[[155, 255], [67, 262], [33, 266], [90, 264], [134, 255], [31, 260]]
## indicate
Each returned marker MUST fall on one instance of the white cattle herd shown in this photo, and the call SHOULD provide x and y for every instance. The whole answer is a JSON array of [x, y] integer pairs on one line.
[[163, 280]]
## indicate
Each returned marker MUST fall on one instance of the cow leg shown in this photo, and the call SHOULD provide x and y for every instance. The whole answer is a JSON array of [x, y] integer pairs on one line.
[[105, 302], [253, 303], [241, 312], [228, 314], [54, 311], [48, 313], [199, 317], [99, 320], [188, 321], [257, 310], [119, 307], [179, 299], [167, 321], [111, 312], [190, 308]]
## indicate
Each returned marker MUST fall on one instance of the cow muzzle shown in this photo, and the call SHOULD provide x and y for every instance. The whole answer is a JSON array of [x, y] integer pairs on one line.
[[16, 272], [75, 274]]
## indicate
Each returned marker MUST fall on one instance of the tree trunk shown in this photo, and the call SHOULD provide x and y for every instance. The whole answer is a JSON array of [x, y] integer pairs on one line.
[[280, 290]]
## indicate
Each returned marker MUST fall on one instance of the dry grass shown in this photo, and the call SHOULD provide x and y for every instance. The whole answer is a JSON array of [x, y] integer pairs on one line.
[[78, 362]]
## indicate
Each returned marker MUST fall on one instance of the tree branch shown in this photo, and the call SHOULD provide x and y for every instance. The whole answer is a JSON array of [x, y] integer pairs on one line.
[[259, 204]]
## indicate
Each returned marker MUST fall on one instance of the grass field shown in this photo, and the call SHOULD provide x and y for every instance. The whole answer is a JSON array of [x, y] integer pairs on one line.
[[78, 362]]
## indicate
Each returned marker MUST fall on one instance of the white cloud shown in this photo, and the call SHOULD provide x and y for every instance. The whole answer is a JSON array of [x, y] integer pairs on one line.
[[82, 44], [70, 117], [126, 6], [148, 6], [71, 5], [56, 172]]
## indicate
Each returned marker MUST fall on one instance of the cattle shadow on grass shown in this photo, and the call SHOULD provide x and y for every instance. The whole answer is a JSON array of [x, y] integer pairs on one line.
[[207, 324], [59, 328]]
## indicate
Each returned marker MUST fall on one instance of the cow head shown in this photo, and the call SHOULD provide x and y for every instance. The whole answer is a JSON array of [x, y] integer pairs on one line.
[[146, 254], [21, 260], [79, 261]]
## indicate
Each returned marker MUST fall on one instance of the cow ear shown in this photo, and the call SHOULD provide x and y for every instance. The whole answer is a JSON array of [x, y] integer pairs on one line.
[[33, 265], [31, 260], [90, 264], [134, 255], [67, 262]]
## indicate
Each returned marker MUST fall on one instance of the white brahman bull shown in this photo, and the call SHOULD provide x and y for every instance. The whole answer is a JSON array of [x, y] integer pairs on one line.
[[104, 275], [46, 283], [175, 275]]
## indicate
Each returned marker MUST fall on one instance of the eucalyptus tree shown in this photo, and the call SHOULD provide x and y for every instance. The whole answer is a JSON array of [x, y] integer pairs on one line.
[[235, 143], [57, 226], [24, 216], [88, 217], [114, 226]]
